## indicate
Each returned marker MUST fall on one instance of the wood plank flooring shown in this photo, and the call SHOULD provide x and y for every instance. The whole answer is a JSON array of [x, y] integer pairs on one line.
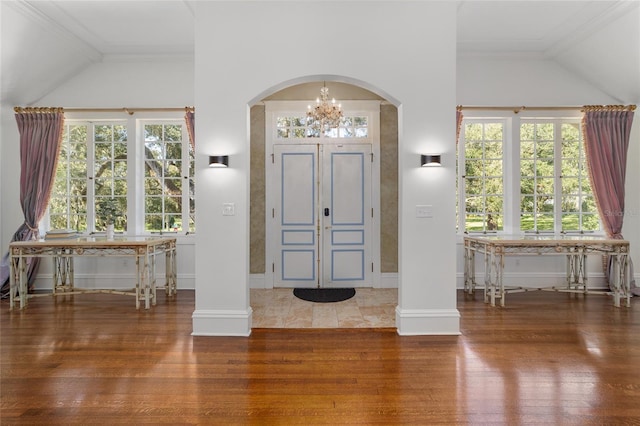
[[547, 358]]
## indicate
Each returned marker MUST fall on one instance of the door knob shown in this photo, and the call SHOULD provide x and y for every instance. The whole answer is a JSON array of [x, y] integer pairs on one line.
[[326, 211]]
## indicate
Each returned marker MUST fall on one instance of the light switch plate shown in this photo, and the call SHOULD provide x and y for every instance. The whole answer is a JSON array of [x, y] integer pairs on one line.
[[424, 211], [228, 209]]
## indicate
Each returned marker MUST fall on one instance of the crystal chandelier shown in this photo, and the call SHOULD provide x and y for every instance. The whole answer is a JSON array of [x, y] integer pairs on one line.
[[324, 115]]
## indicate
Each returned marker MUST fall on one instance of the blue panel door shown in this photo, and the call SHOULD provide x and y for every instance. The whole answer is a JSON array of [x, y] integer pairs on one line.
[[296, 216], [322, 215], [347, 215]]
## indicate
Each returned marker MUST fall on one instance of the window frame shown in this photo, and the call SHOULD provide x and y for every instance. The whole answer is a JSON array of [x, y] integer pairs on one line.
[[135, 166], [187, 175], [461, 173], [512, 172], [90, 170]]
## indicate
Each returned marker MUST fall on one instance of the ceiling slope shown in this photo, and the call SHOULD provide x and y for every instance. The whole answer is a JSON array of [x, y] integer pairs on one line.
[[46, 43]]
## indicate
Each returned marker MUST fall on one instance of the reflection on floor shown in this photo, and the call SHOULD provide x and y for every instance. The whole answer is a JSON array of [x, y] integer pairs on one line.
[[279, 308]]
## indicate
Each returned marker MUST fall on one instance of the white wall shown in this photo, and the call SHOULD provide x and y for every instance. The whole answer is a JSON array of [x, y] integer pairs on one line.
[[11, 213], [404, 49]]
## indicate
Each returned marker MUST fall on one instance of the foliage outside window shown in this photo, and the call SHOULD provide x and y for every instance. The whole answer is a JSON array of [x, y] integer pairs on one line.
[[80, 183], [169, 204], [555, 191], [102, 163], [482, 181], [110, 171], [296, 127], [542, 176]]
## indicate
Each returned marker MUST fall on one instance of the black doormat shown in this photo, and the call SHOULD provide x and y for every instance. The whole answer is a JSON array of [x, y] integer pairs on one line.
[[324, 295]]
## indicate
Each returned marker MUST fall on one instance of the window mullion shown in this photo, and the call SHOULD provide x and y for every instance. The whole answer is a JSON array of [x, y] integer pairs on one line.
[[91, 174], [135, 190], [557, 176], [186, 163], [512, 175]]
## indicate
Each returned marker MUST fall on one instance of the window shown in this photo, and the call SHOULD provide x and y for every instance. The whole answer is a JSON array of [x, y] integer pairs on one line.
[[296, 127], [92, 166], [532, 180], [482, 181], [555, 191], [146, 165], [168, 179], [110, 169]]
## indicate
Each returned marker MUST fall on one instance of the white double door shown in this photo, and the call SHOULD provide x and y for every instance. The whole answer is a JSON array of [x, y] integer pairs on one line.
[[322, 219]]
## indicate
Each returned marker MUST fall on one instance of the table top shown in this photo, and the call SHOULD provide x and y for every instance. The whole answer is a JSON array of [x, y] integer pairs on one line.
[[95, 241], [545, 239]]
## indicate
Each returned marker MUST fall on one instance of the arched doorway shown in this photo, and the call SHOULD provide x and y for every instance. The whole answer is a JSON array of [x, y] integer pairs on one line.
[[386, 185]]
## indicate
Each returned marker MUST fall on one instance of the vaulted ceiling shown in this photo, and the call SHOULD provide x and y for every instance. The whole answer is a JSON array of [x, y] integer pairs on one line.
[[45, 43]]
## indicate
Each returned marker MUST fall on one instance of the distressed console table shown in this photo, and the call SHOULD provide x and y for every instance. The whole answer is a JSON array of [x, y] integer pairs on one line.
[[63, 251], [494, 248]]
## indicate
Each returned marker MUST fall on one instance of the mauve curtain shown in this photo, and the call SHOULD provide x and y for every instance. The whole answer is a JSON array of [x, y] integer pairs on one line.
[[459, 117], [40, 140], [606, 138], [190, 119]]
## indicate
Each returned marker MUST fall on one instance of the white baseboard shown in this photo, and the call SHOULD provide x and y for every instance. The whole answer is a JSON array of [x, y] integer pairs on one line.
[[221, 322], [256, 281], [417, 322], [389, 280]]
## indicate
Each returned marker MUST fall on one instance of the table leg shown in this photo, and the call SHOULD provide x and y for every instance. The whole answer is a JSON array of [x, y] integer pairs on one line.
[[14, 280], [469, 270], [23, 281], [466, 269], [152, 277], [621, 279], [139, 277], [145, 281], [170, 272], [487, 277], [626, 278], [499, 280]]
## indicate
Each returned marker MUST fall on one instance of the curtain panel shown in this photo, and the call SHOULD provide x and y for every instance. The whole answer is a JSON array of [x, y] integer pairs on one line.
[[606, 138], [459, 118], [190, 120], [606, 133], [40, 141]]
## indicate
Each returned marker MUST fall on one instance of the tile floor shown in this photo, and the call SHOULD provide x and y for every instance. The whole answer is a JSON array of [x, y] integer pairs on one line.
[[279, 308]]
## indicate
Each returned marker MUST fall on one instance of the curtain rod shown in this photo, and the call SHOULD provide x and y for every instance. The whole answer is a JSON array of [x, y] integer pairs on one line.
[[127, 110], [517, 109]]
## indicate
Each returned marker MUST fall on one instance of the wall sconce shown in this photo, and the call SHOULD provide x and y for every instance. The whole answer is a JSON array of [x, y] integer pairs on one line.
[[430, 160], [218, 161]]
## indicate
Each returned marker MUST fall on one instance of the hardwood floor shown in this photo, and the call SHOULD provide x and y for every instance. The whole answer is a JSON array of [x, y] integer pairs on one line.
[[547, 358]]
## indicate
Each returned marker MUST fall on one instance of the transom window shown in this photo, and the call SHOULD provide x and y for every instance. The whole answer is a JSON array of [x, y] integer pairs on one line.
[[288, 127]]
